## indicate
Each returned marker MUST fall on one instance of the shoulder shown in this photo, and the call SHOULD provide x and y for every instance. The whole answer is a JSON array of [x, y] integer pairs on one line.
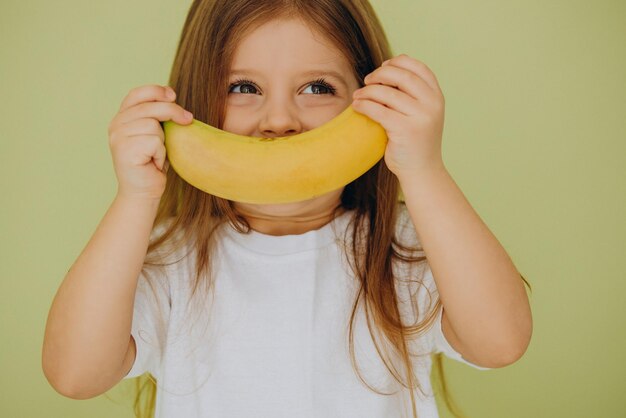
[[167, 262], [160, 228], [415, 285], [403, 218], [174, 245], [405, 232]]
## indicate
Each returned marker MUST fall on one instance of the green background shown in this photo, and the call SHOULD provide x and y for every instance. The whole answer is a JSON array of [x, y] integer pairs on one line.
[[535, 135]]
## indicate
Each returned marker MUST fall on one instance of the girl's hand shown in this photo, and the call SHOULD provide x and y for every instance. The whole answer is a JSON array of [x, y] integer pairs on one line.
[[136, 140], [403, 95]]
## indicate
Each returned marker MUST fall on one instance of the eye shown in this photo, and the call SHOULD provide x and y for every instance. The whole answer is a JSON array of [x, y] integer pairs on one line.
[[242, 82], [324, 85], [246, 86]]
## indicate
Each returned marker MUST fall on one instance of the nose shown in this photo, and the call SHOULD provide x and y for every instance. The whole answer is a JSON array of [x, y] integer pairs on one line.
[[279, 119]]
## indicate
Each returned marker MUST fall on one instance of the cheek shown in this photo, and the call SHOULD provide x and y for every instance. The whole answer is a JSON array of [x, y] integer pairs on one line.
[[237, 120], [317, 99], [324, 115], [243, 99]]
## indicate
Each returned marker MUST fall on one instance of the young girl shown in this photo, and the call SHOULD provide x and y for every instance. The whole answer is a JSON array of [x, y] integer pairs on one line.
[[329, 307]]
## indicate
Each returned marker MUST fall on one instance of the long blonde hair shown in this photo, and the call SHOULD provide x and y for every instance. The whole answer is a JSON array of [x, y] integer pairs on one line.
[[212, 30]]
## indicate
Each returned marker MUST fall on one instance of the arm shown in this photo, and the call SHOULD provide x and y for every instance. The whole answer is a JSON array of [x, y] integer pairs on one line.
[[486, 315], [87, 346]]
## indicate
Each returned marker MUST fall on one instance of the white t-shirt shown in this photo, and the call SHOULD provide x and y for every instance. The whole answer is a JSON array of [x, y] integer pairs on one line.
[[273, 341]]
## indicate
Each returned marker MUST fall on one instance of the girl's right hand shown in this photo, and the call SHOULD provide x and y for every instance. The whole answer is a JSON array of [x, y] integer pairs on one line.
[[136, 140]]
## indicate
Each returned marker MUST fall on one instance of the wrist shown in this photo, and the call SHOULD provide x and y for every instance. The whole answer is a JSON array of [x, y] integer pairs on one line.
[[422, 173], [145, 201]]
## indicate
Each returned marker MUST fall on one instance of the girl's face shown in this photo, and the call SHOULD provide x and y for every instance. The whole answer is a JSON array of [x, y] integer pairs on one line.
[[286, 80]]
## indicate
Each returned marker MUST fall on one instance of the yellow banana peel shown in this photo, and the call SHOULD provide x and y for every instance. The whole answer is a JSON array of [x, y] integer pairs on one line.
[[275, 170]]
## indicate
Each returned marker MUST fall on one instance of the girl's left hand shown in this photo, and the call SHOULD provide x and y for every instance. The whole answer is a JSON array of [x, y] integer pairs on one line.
[[403, 95]]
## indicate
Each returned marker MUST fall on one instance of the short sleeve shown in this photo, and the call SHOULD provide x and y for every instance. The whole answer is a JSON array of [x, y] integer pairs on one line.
[[149, 325], [435, 336], [441, 345], [426, 293]]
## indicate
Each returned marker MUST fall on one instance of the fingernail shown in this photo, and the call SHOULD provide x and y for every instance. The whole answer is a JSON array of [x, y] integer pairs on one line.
[[171, 93], [188, 115]]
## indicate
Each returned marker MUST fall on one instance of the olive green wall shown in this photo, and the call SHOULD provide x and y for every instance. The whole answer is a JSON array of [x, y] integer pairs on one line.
[[535, 135]]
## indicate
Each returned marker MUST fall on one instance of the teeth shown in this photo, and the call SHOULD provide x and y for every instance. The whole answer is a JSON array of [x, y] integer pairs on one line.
[[275, 170]]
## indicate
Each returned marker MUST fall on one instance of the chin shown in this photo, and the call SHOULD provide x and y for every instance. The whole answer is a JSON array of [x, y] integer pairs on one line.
[[303, 206], [274, 209]]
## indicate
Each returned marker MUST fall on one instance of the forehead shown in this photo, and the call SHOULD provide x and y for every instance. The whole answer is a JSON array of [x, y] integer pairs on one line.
[[287, 47]]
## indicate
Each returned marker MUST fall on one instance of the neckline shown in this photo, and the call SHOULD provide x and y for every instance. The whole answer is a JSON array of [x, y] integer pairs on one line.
[[266, 244]]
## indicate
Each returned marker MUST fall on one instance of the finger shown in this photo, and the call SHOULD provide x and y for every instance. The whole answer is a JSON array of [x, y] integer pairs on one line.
[[388, 96], [386, 117], [134, 128], [156, 110], [143, 126], [405, 80], [145, 148], [147, 93], [417, 67], [159, 157]]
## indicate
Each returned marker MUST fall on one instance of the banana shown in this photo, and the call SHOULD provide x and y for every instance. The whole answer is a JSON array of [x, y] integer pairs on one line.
[[275, 170]]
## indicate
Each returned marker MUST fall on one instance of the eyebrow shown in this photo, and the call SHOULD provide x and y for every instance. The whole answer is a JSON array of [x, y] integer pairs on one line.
[[310, 73]]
